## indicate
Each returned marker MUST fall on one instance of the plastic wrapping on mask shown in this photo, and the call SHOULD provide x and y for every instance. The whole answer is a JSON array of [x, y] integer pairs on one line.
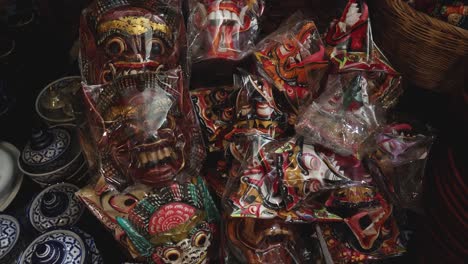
[[368, 231], [228, 115], [174, 224], [398, 160], [343, 117], [128, 37], [222, 29], [351, 48], [143, 129], [215, 109], [294, 59], [256, 241], [282, 178]]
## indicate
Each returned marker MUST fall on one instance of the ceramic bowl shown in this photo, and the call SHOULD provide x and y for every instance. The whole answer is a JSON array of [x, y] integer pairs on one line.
[[10, 176], [55, 207], [52, 155], [62, 246], [9, 237], [54, 102]]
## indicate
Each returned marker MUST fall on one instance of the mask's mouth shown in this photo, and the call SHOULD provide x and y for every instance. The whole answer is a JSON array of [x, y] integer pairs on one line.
[[157, 162], [115, 70], [227, 13], [366, 225]]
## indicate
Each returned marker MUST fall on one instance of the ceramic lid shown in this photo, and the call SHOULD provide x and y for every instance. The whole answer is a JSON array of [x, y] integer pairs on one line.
[[55, 247], [10, 176], [9, 234], [49, 149], [54, 102], [55, 206]]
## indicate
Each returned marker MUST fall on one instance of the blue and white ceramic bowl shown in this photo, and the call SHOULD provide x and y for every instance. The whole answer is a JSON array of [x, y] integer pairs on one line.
[[62, 246], [9, 234], [55, 247], [56, 206], [94, 257]]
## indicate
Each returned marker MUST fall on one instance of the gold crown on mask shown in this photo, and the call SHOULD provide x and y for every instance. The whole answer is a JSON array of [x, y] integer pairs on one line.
[[133, 25]]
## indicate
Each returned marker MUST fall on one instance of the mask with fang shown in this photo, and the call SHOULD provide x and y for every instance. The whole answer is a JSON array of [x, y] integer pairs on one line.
[[173, 225], [365, 213], [129, 37], [145, 129], [225, 28], [352, 49], [295, 61]]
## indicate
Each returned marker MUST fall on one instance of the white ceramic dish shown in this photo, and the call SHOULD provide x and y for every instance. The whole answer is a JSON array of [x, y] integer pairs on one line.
[[10, 181]]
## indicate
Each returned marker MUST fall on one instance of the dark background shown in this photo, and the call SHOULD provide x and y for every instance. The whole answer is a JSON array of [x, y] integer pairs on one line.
[[42, 55]]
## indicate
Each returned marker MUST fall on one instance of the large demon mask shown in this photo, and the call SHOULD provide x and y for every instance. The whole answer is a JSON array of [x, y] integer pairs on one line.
[[175, 224], [294, 60], [256, 241], [224, 28], [145, 129], [129, 37]]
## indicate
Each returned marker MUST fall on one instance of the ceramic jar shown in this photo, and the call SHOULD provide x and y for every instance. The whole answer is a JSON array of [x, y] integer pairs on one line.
[[10, 176], [55, 207], [55, 103], [62, 246], [53, 155], [10, 242]]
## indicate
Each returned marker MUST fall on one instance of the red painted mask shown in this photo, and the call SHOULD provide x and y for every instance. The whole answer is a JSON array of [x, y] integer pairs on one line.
[[224, 28], [144, 128], [262, 241], [295, 61], [129, 37]]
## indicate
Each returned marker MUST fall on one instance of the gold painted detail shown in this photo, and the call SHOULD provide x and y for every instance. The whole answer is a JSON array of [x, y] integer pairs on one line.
[[133, 25]]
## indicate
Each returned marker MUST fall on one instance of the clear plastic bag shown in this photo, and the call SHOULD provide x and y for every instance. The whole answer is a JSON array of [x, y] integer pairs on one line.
[[143, 129], [351, 48], [222, 29], [343, 117], [130, 37], [256, 241], [368, 231], [398, 160], [281, 179], [293, 58]]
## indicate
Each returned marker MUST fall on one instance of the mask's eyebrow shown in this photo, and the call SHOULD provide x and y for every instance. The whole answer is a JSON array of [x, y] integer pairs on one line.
[[103, 36]]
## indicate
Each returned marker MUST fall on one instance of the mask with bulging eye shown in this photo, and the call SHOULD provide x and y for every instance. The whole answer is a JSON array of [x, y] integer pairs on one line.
[[215, 111], [256, 111], [263, 241], [224, 28], [141, 133], [294, 61], [129, 37], [174, 224]]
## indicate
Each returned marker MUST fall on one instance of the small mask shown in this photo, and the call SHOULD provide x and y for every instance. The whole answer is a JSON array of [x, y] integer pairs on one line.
[[224, 28], [256, 241], [174, 224], [294, 61]]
